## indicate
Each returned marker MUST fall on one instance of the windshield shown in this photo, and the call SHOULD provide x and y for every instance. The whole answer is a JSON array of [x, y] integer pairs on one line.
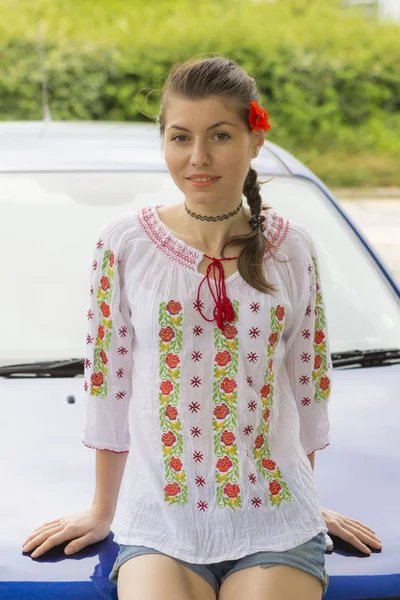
[[49, 223]]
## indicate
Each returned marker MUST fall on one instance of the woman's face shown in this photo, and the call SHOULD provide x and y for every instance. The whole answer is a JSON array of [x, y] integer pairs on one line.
[[224, 151]]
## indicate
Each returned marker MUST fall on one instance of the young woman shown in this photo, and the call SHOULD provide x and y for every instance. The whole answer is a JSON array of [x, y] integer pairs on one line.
[[208, 372]]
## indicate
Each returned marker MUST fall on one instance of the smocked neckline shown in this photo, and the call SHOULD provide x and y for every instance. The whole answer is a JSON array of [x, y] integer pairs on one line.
[[198, 254], [189, 256]]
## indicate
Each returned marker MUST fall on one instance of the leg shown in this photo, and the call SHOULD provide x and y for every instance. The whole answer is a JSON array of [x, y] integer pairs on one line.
[[278, 582], [155, 576]]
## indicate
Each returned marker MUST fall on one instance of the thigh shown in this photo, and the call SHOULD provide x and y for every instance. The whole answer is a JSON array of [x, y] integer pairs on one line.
[[154, 576], [277, 582]]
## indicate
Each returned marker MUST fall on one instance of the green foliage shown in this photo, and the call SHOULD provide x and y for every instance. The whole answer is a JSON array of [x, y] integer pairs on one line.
[[328, 78]]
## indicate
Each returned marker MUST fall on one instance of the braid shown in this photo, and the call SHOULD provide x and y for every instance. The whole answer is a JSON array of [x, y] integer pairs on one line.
[[251, 190]]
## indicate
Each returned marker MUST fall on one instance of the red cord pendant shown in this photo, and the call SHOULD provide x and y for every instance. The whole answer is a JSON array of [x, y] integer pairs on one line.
[[223, 310]]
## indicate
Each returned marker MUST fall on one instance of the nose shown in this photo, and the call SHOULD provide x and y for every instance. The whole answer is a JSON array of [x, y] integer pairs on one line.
[[200, 154]]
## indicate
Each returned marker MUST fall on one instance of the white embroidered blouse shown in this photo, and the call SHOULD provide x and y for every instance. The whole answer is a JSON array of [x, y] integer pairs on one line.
[[218, 422]]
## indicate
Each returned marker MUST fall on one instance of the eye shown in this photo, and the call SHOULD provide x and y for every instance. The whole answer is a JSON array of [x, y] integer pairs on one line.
[[218, 133]]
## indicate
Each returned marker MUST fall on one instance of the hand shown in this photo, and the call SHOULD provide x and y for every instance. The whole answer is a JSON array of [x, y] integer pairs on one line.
[[350, 530], [82, 528]]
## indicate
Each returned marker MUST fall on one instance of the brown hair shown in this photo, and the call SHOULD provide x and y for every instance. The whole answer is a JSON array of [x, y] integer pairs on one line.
[[202, 78]]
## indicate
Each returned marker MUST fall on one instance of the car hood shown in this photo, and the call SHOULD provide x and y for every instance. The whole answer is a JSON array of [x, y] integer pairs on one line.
[[48, 473]]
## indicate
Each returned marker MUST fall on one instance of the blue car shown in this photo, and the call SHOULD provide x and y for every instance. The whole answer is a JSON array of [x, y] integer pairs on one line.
[[60, 183]]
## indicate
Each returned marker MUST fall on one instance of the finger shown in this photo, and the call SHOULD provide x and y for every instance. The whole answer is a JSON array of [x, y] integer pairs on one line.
[[364, 530], [38, 539], [46, 541], [79, 543], [53, 540], [38, 531], [352, 536], [42, 527], [359, 523]]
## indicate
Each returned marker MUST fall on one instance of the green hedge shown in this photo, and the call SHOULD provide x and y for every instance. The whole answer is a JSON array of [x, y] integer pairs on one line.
[[328, 78]]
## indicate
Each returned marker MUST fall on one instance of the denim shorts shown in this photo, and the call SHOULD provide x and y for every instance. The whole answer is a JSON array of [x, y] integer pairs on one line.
[[309, 557]]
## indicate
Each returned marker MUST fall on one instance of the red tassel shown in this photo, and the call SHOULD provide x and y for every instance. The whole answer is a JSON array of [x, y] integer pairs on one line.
[[219, 317], [229, 311]]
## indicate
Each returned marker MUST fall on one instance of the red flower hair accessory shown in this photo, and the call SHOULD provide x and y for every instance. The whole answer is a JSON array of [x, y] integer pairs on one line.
[[258, 117]]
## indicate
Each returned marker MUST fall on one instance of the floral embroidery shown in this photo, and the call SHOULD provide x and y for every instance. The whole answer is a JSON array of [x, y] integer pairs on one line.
[[224, 422], [320, 373], [278, 489], [164, 240], [98, 379], [252, 357], [170, 345], [276, 232], [254, 332]]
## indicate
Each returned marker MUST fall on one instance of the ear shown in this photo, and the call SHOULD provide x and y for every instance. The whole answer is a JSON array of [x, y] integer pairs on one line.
[[259, 140]]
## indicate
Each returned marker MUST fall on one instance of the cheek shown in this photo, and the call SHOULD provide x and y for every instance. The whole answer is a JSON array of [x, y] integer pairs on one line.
[[175, 163]]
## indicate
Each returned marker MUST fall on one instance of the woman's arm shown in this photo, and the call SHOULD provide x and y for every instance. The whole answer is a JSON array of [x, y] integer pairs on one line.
[[109, 471], [311, 458]]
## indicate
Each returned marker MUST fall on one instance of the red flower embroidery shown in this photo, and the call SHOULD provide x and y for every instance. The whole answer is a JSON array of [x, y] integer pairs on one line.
[[172, 360], [228, 438], [166, 387], [319, 337], [232, 490], [221, 411], [324, 383], [103, 357], [265, 390], [173, 307], [172, 489], [259, 440], [105, 309], [171, 412], [175, 463], [267, 412], [317, 361], [224, 464], [168, 439], [166, 334], [97, 379], [223, 358], [105, 283], [280, 312], [275, 487], [228, 385], [229, 331], [272, 339], [268, 464], [100, 331]]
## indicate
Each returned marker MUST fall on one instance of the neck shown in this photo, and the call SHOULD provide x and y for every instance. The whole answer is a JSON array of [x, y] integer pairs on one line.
[[211, 235]]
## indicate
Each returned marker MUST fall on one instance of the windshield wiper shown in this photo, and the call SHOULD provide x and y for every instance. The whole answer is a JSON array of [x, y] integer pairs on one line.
[[48, 368], [76, 366], [366, 358]]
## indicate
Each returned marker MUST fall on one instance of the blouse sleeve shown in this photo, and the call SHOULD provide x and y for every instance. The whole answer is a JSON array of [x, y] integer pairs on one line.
[[108, 363], [307, 354]]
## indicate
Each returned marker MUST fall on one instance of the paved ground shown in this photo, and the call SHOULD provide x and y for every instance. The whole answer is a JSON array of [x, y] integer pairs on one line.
[[377, 213]]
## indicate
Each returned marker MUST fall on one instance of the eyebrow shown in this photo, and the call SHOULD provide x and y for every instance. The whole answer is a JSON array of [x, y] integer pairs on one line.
[[211, 126]]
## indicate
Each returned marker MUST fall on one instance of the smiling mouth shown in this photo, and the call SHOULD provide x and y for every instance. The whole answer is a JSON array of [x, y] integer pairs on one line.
[[202, 178]]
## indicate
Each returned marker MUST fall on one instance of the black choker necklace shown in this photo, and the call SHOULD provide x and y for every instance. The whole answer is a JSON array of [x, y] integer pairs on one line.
[[219, 218]]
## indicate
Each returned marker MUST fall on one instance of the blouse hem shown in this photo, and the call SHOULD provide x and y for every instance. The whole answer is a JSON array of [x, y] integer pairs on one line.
[[321, 448], [103, 448], [181, 554]]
